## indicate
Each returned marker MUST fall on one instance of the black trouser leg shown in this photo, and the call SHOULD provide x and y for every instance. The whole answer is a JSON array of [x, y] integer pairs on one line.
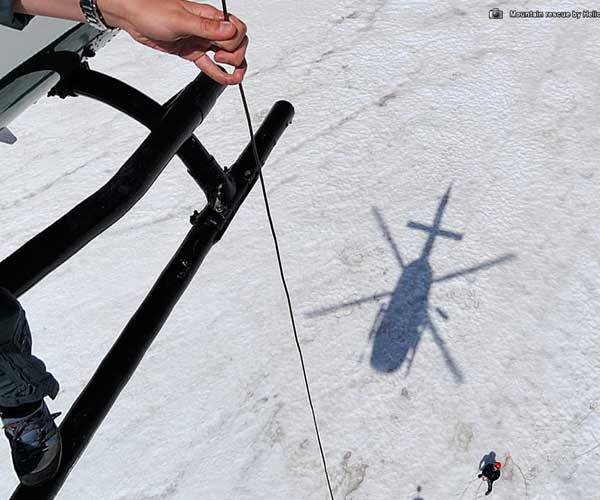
[[19, 411], [23, 377]]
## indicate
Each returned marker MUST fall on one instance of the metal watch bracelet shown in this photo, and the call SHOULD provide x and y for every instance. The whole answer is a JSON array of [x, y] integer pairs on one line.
[[92, 14]]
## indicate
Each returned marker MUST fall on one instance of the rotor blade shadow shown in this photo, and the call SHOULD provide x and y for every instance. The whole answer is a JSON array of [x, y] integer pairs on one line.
[[453, 235], [479, 267], [447, 357], [388, 236], [327, 310]]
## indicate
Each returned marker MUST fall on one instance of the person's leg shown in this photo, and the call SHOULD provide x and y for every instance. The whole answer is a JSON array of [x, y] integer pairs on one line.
[[23, 378], [489, 490], [34, 438]]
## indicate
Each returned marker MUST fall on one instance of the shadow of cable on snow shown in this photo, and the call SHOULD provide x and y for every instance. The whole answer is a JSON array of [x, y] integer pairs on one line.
[[406, 315]]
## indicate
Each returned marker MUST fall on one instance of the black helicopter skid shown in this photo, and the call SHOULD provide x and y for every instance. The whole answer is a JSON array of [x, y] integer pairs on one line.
[[172, 126]]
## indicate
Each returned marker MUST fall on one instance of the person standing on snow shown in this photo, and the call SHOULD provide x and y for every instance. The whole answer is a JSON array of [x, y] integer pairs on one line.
[[187, 29], [490, 473]]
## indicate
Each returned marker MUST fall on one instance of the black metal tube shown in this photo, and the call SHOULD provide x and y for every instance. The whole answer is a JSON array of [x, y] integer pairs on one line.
[[94, 403], [203, 168], [90, 409], [243, 173], [53, 246]]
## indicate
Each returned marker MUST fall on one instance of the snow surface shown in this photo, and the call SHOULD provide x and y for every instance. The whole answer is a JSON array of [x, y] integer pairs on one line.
[[396, 102]]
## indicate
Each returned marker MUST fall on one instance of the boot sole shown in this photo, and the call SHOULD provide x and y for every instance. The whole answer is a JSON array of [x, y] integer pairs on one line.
[[37, 479]]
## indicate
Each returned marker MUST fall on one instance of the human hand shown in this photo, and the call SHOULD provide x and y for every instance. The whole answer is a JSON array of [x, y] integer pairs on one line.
[[187, 29]]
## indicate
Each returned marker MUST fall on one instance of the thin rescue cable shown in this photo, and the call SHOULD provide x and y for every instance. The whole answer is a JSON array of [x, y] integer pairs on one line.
[[282, 274]]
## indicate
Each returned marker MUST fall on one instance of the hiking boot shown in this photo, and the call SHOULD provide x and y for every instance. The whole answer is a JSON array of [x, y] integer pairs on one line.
[[35, 444]]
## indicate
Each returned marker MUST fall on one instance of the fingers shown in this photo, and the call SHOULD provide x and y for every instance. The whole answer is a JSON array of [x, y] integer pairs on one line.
[[235, 58], [209, 29], [227, 39], [212, 18], [239, 73], [230, 45], [207, 65]]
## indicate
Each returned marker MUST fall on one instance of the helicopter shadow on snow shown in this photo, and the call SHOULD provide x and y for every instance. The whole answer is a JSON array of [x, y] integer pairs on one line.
[[406, 315]]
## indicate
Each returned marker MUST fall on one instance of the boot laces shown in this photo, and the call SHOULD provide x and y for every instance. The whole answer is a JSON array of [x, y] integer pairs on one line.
[[37, 420]]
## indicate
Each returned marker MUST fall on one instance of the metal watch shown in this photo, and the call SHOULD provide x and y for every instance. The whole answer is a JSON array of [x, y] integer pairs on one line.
[[92, 14]]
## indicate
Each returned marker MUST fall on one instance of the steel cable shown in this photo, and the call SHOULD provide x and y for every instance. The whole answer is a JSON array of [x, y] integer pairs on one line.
[[281, 272]]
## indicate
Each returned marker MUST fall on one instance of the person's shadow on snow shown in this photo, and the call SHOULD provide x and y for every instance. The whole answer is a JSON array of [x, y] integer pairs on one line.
[[406, 314], [490, 458]]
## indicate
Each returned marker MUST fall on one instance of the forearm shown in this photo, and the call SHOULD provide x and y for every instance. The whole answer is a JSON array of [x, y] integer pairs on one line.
[[185, 28], [64, 9], [69, 9]]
